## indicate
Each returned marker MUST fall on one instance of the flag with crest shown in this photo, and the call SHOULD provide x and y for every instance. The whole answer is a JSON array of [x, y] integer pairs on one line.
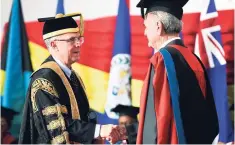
[[119, 86]]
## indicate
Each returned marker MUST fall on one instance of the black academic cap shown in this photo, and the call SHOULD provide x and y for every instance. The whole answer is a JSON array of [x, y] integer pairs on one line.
[[61, 24], [8, 114], [174, 7], [124, 110]]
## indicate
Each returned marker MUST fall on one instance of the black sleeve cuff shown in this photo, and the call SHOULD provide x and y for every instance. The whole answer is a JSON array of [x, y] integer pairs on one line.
[[132, 132]]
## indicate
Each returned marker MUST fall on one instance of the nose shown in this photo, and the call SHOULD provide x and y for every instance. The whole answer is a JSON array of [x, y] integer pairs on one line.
[[77, 43]]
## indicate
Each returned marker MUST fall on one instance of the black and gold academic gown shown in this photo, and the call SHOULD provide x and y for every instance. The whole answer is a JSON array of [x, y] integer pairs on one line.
[[56, 110]]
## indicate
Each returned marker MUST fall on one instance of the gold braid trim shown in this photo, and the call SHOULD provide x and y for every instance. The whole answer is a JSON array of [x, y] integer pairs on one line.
[[56, 124], [81, 30], [61, 138], [59, 123], [50, 110], [41, 84], [59, 32], [74, 105], [81, 25]]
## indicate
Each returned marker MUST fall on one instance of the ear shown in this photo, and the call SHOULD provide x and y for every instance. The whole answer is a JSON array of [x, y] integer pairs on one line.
[[53, 44], [160, 28]]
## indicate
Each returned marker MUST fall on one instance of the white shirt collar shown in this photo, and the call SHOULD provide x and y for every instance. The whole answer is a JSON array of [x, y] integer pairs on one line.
[[167, 42], [65, 69]]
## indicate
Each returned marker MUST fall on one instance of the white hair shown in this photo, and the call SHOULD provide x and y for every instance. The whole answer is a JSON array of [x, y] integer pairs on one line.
[[172, 25], [48, 42]]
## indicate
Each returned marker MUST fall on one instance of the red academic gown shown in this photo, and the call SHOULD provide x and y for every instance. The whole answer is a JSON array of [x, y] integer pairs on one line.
[[197, 120]]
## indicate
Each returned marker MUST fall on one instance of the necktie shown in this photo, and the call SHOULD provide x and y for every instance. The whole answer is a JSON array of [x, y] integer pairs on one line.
[[74, 80]]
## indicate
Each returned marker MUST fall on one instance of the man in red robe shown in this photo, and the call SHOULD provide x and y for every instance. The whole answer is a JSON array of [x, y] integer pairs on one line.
[[177, 105]]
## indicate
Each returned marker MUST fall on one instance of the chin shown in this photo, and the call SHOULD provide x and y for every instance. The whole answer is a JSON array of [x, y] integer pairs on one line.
[[75, 59], [149, 44]]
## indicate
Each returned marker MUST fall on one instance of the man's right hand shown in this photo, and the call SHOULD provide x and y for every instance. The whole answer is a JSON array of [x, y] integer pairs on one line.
[[109, 132], [113, 133]]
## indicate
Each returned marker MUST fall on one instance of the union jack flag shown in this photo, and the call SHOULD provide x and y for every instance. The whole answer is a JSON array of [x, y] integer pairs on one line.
[[208, 47]]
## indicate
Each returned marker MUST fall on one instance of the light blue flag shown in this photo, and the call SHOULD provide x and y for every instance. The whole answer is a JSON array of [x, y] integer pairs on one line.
[[15, 65]]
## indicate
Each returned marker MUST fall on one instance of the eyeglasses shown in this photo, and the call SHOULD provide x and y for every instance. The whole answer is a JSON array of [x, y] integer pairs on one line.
[[73, 40]]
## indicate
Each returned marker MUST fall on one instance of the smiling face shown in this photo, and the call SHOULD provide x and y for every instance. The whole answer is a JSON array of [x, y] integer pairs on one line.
[[67, 47]]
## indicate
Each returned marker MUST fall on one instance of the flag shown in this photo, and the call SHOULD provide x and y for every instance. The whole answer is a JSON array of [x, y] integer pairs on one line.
[[119, 86], [100, 26], [60, 7], [209, 48], [15, 65]]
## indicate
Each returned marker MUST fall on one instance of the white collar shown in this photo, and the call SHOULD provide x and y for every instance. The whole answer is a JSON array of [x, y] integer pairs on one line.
[[65, 69], [167, 42]]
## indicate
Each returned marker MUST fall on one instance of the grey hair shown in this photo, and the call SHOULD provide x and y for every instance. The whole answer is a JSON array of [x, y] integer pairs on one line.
[[172, 25], [48, 42]]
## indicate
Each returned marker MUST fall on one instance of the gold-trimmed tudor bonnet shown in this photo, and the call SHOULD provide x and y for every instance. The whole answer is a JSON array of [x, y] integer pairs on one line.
[[61, 24]]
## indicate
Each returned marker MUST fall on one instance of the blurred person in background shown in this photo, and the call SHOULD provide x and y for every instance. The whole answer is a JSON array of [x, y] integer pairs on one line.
[[127, 116], [7, 116], [57, 109]]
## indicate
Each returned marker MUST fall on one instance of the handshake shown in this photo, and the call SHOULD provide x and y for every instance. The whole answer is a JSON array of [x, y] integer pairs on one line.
[[113, 133]]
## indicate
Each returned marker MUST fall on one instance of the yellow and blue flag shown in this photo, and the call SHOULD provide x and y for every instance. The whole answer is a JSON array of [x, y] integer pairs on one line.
[[15, 65], [119, 86]]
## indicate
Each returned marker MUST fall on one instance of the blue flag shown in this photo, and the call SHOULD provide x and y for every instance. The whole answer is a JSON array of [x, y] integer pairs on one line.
[[15, 65], [60, 7], [119, 88], [208, 47]]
